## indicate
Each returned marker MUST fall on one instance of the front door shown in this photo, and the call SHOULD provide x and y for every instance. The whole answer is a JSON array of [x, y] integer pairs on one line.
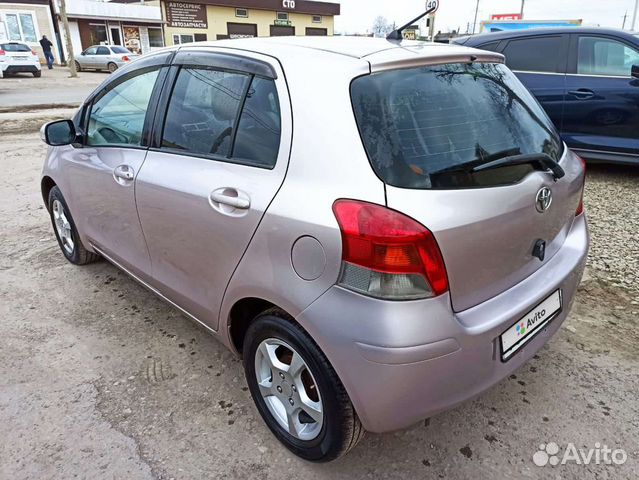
[[202, 193], [102, 173], [602, 99], [87, 58], [116, 38]]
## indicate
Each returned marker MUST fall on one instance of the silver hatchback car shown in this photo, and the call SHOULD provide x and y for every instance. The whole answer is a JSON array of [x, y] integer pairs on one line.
[[381, 230]]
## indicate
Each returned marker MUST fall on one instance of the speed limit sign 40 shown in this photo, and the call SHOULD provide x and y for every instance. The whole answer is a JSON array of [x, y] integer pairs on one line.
[[432, 4]]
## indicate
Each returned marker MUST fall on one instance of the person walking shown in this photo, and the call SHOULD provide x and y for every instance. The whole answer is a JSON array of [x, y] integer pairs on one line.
[[46, 45]]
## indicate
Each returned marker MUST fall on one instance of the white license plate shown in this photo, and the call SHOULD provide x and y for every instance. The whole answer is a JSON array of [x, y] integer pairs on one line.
[[21, 58], [527, 327]]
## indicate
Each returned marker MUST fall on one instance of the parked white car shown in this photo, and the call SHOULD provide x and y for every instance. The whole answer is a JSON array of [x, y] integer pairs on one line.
[[16, 57]]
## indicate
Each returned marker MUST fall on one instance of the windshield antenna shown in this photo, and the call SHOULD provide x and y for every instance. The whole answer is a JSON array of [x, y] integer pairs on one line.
[[397, 34]]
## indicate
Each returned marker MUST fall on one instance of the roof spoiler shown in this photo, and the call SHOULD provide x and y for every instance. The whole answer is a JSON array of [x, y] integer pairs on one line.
[[397, 34]]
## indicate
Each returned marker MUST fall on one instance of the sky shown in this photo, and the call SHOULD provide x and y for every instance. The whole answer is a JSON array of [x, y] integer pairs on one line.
[[357, 16]]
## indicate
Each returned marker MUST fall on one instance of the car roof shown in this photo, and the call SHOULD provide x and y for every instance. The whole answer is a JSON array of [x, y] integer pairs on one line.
[[379, 52], [530, 32]]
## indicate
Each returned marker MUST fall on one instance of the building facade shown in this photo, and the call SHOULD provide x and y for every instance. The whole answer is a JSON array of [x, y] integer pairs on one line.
[[137, 27], [26, 21], [188, 21]]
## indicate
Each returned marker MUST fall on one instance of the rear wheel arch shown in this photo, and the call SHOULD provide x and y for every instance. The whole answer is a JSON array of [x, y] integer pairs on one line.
[[243, 313]]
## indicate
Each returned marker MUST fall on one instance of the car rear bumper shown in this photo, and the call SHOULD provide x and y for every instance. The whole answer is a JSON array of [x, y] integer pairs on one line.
[[401, 362], [29, 68]]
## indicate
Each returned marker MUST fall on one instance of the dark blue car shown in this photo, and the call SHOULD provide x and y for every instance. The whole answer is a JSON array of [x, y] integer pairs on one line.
[[587, 79]]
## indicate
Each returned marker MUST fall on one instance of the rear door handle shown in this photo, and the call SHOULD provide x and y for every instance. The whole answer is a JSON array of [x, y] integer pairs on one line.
[[123, 174], [231, 197], [582, 94]]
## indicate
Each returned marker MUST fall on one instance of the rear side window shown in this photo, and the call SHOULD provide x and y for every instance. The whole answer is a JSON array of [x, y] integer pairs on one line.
[[492, 46], [224, 114], [258, 133], [417, 122], [103, 51], [14, 47], [538, 54], [202, 111]]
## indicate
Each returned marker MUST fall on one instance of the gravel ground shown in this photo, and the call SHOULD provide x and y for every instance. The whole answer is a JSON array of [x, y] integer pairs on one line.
[[101, 380]]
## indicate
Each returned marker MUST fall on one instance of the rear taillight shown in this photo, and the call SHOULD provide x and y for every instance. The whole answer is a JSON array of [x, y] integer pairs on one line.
[[386, 254], [125, 58], [580, 207], [33, 52], [2, 52]]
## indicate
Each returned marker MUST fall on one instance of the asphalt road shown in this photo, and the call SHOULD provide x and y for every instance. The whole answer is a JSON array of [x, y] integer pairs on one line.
[[53, 88], [99, 379]]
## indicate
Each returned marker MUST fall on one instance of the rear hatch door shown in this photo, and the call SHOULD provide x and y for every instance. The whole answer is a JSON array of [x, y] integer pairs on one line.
[[426, 128]]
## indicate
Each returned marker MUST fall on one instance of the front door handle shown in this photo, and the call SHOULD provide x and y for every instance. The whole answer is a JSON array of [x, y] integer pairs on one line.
[[582, 94], [230, 197], [123, 174]]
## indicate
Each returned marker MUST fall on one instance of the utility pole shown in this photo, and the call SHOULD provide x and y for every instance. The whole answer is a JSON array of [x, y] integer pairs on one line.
[[634, 16], [523, 3], [477, 11], [67, 35]]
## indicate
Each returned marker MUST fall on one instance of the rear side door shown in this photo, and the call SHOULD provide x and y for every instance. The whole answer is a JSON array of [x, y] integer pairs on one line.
[[102, 57], [219, 155], [602, 101], [102, 171], [540, 63]]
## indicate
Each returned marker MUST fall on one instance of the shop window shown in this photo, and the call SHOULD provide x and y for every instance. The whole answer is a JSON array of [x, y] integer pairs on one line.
[[180, 39], [200, 37], [241, 12], [317, 19], [21, 27], [155, 37], [282, 16], [98, 34]]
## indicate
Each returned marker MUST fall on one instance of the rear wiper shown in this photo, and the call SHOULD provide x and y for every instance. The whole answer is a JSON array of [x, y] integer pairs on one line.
[[541, 161]]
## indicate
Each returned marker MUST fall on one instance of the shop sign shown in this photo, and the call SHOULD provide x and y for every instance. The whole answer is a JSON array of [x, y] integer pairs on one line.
[[186, 15]]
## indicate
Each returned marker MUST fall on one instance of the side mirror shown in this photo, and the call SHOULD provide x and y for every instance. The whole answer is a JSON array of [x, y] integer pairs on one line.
[[60, 132], [635, 71], [83, 53]]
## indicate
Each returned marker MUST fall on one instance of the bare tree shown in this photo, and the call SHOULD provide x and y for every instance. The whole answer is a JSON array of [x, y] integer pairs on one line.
[[381, 28], [67, 35]]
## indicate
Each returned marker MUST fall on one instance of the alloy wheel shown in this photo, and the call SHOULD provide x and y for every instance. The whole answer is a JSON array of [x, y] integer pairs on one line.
[[63, 227], [289, 389]]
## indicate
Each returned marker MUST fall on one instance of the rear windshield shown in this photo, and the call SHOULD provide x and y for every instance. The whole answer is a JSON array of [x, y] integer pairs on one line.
[[14, 47], [416, 123], [120, 50]]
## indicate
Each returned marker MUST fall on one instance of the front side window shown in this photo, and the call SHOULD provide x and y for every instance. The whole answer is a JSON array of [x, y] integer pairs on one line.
[[117, 116], [428, 127], [603, 56], [537, 54], [202, 111], [91, 51]]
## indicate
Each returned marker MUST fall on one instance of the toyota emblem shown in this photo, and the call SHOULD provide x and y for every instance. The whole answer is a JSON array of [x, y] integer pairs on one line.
[[544, 199]]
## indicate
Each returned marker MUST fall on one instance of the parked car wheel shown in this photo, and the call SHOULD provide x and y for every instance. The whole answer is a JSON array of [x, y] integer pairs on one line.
[[66, 232], [296, 390], [112, 67], [37, 74], [78, 67]]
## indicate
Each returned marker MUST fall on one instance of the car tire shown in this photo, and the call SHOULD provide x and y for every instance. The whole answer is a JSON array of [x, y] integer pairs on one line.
[[37, 74], [112, 67], [78, 67], [66, 232], [337, 428]]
